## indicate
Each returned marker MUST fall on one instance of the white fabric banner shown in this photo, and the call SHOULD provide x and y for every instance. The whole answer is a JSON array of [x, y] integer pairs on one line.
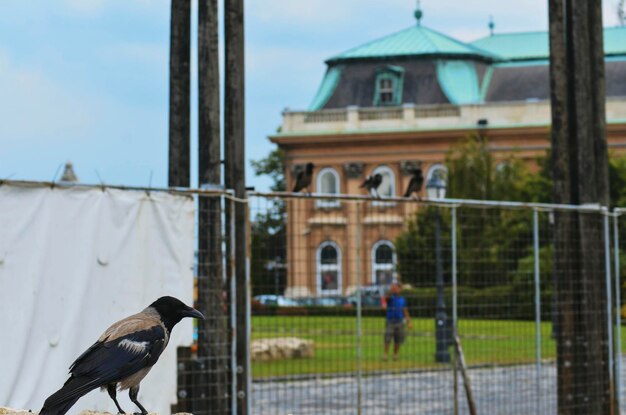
[[74, 261]]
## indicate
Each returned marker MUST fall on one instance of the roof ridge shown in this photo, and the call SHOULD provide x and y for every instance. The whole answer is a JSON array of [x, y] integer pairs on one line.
[[460, 42], [362, 45], [433, 43]]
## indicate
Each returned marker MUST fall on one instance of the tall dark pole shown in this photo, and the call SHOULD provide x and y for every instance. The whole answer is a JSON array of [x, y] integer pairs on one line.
[[180, 30], [442, 336], [580, 171], [212, 389], [234, 119]]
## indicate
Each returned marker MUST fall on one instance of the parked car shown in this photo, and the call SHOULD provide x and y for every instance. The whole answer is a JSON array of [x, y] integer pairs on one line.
[[325, 301], [370, 296], [332, 301], [275, 300]]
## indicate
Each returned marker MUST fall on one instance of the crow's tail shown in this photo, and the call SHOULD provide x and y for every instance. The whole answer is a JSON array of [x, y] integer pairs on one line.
[[62, 400]]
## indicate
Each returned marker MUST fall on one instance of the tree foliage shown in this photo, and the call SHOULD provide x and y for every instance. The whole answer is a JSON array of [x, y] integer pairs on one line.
[[490, 242]]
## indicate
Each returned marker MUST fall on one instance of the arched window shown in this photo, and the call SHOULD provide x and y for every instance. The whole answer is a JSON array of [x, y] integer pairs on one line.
[[388, 186], [328, 183], [383, 263], [437, 169], [328, 268]]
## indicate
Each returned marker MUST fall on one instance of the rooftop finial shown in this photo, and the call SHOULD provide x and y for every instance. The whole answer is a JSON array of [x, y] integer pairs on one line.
[[620, 13], [492, 25], [418, 13]]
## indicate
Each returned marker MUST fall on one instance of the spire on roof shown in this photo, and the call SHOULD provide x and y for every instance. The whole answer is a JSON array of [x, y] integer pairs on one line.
[[620, 13], [492, 25], [418, 13], [68, 173]]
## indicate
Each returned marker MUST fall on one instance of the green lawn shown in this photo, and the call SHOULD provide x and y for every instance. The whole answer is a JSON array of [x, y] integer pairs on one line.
[[483, 341]]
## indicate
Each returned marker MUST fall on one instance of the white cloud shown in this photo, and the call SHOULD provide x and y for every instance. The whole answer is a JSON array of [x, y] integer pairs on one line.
[[35, 109], [148, 53], [323, 12], [85, 7]]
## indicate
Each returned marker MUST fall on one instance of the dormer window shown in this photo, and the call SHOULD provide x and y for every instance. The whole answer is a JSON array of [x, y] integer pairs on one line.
[[388, 89], [385, 91]]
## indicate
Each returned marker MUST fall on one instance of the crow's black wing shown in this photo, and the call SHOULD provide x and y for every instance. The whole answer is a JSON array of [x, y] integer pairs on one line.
[[410, 188], [299, 179], [109, 362]]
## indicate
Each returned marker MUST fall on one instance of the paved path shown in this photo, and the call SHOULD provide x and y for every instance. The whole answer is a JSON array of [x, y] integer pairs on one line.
[[502, 391]]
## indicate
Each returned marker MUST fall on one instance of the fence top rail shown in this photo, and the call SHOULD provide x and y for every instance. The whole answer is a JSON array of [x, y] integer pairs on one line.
[[229, 193], [448, 203], [104, 186]]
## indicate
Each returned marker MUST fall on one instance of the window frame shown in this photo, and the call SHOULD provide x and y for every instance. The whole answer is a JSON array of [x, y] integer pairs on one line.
[[327, 203], [375, 266], [319, 268], [395, 74]]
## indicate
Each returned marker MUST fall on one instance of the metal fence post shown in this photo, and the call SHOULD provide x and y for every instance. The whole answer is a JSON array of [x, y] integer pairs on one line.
[[455, 331], [248, 310], [618, 316], [358, 310], [233, 309], [609, 307], [537, 305]]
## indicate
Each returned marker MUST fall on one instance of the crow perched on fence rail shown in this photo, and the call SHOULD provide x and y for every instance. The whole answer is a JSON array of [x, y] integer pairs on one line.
[[304, 178], [416, 183], [371, 183], [122, 356]]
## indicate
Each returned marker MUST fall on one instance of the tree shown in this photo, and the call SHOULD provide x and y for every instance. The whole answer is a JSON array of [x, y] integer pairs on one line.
[[490, 242], [269, 230]]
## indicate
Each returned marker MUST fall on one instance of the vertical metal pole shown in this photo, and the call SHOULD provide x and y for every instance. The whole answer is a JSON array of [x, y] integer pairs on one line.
[[442, 335], [609, 307], [359, 370], [455, 331], [537, 306], [618, 317], [233, 310], [248, 306]]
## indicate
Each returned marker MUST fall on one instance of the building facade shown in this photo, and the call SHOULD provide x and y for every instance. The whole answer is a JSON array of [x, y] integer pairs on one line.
[[399, 102]]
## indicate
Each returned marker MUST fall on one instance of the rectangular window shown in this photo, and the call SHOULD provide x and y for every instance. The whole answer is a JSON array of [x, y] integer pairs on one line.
[[385, 91]]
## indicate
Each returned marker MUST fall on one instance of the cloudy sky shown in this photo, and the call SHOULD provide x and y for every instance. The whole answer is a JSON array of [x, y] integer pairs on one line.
[[87, 80]]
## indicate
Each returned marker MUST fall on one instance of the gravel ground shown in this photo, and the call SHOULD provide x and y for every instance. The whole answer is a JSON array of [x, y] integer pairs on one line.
[[502, 391]]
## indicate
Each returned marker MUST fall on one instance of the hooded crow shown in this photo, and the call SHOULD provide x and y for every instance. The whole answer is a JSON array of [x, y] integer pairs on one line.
[[371, 183], [303, 180], [416, 183], [122, 356]]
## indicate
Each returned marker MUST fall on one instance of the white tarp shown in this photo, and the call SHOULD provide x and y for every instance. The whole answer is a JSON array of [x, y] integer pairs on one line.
[[74, 261]]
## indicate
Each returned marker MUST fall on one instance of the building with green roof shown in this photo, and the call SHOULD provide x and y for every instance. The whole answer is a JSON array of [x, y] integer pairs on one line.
[[398, 103]]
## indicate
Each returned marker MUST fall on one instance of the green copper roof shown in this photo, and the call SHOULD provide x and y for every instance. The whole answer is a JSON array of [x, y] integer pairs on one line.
[[331, 79], [459, 81], [414, 41], [536, 45]]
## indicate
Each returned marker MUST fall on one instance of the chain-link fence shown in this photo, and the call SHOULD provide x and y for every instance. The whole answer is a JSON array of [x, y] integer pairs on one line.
[[480, 282], [205, 371]]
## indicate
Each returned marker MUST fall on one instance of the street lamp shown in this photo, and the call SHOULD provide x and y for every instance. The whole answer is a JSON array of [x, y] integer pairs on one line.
[[276, 265], [436, 189]]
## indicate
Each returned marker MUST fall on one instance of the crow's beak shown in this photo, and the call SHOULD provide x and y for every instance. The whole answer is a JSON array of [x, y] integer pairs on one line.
[[192, 312]]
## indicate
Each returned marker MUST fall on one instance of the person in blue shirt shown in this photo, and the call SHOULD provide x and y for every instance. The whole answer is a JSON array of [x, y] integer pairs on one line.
[[397, 315]]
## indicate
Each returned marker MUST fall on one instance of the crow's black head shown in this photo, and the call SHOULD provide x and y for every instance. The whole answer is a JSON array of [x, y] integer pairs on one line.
[[172, 310], [309, 168], [378, 179]]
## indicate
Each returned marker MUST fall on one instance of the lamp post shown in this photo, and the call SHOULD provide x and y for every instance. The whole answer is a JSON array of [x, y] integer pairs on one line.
[[436, 189], [276, 265]]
